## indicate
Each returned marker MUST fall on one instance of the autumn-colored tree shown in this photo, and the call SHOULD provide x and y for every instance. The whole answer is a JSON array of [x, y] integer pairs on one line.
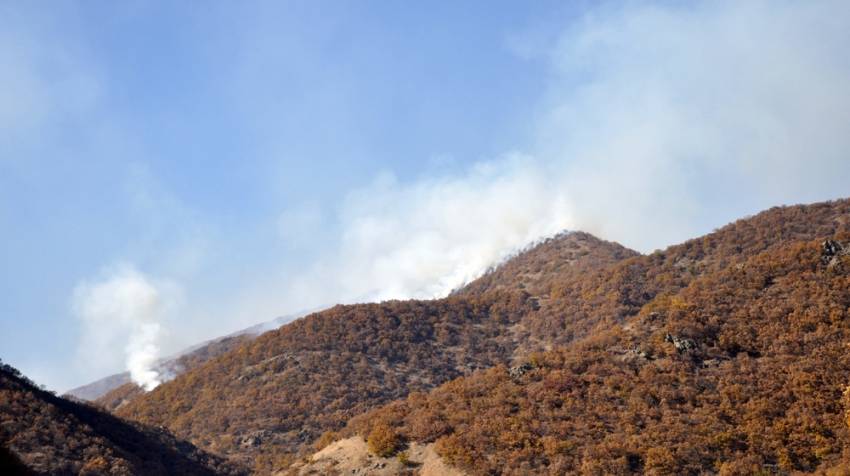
[[383, 441]]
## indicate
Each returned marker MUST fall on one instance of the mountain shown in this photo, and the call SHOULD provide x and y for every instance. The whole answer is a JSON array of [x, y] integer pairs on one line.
[[558, 360], [41, 433], [266, 401]]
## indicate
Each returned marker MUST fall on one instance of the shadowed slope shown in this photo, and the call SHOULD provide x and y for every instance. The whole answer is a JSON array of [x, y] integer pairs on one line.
[[52, 435]]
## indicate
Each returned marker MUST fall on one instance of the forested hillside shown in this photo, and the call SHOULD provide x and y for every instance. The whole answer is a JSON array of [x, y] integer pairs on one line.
[[736, 366], [269, 399], [54, 436], [593, 335]]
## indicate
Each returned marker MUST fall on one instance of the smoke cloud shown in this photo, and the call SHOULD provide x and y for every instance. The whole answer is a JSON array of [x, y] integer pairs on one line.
[[662, 121], [123, 312], [659, 124], [423, 240]]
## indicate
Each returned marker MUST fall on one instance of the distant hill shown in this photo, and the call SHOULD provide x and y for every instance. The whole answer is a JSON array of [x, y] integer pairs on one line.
[[127, 391], [41, 433], [122, 389]]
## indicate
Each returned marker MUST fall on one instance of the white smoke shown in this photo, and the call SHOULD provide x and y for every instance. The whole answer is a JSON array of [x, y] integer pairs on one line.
[[142, 355], [663, 121], [660, 122], [122, 312], [424, 239]]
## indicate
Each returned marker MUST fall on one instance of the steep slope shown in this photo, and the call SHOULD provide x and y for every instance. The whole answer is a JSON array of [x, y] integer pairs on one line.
[[51, 435], [270, 398], [744, 370]]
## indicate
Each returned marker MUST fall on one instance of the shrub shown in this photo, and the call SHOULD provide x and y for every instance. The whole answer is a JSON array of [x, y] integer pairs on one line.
[[383, 441]]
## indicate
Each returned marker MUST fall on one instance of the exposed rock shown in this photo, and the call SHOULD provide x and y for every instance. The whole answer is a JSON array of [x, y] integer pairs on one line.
[[832, 253], [640, 353], [682, 344], [520, 370], [255, 438], [832, 248]]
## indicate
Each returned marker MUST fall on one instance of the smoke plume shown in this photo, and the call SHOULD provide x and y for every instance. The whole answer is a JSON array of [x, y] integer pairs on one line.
[[122, 312], [659, 123]]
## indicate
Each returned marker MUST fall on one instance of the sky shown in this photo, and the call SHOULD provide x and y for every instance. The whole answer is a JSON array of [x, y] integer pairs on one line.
[[171, 172]]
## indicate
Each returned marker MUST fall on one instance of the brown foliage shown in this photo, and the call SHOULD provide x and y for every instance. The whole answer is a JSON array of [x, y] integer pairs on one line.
[[383, 441], [616, 374], [758, 389], [278, 393]]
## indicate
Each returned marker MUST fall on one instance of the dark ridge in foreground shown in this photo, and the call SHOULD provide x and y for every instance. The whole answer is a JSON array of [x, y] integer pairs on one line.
[[54, 436]]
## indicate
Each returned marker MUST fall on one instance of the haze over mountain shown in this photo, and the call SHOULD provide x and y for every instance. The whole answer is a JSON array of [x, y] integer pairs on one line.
[[278, 157], [268, 400], [725, 355]]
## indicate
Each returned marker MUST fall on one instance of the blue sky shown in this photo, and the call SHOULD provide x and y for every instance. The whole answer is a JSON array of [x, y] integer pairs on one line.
[[190, 169]]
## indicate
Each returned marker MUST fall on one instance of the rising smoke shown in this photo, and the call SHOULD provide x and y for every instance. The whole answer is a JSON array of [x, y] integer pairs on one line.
[[122, 312]]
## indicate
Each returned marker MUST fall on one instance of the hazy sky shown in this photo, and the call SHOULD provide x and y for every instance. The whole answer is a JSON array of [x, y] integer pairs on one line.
[[172, 172]]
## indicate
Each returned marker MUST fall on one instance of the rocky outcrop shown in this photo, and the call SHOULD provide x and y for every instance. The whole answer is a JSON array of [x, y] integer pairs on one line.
[[682, 344], [520, 370], [833, 253]]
